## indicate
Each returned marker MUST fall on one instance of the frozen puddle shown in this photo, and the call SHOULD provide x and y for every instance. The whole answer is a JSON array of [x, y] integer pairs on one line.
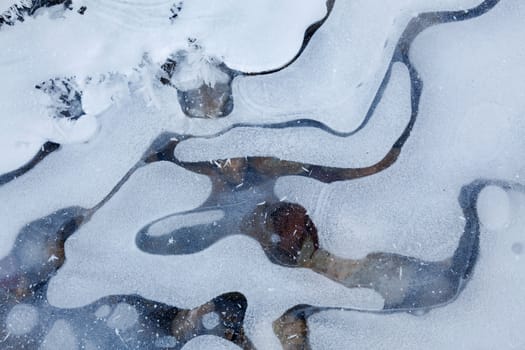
[[346, 62], [483, 317], [122, 40], [262, 175]]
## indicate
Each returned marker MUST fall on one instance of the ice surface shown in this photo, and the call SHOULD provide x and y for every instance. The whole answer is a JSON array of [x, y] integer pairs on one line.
[[103, 311], [210, 342], [60, 336], [92, 169], [468, 126], [210, 320], [411, 208], [494, 208], [116, 35], [123, 317], [178, 280], [484, 316], [21, 319], [365, 148], [178, 221], [345, 63]]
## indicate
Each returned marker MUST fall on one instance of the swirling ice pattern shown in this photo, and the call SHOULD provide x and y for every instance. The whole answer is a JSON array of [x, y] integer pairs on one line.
[[243, 194]]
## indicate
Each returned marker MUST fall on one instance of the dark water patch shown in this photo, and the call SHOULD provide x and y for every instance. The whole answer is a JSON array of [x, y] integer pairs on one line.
[[207, 101], [125, 322], [37, 254], [210, 99]]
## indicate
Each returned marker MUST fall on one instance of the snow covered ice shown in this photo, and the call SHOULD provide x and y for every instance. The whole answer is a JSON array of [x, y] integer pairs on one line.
[[266, 174]]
